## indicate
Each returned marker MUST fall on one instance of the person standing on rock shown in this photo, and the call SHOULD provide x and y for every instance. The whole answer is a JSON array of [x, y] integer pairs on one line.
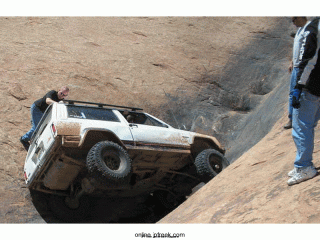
[[301, 23], [39, 107], [306, 104]]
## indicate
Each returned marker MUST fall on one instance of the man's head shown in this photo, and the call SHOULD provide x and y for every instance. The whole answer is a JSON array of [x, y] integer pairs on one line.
[[63, 93], [299, 21]]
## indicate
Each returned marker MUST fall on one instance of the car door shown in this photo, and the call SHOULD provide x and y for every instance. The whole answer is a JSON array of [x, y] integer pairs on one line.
[[147, 130]]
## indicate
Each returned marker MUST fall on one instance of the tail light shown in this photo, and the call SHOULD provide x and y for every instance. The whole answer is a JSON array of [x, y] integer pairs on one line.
[[53, 128], [25, 175]]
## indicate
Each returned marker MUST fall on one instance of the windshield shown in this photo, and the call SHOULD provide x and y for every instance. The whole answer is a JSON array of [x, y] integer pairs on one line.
[[92, 113]]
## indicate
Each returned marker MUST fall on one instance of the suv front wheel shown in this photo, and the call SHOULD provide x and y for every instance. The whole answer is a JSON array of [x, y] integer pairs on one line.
[[209, 163], [108, 160]]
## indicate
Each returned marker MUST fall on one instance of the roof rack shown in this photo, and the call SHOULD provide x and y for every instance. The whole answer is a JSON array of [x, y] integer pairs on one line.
[[101, 105]]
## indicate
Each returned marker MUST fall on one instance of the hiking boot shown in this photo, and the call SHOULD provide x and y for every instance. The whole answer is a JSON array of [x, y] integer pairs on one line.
[[288, 125], [25, 144], [292, 172], [302, 174]]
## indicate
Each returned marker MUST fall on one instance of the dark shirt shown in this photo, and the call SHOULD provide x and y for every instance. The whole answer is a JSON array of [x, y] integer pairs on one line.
[[41, 103], [309, 67]]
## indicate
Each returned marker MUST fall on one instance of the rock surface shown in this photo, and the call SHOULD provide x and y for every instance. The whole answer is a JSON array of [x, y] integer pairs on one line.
[[222, 76], [254, 188]]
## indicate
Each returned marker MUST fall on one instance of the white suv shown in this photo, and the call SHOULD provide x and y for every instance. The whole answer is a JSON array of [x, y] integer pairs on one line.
[[83, 148]]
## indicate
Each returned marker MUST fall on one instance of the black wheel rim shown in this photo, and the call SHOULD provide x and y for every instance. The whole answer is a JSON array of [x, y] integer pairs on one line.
[[112, 160], [215, 163]]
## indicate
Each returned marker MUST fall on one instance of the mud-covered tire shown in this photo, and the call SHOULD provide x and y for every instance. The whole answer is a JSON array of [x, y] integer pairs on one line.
[[108, 161], [75, 214], [209, 163]]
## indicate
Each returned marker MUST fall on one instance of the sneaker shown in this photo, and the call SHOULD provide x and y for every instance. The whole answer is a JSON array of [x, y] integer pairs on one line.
[[25, 144], [302, 174], [292, 172], [288, 125]]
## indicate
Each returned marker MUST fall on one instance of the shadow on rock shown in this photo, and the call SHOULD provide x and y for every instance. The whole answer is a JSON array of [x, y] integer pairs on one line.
[[52, 209]]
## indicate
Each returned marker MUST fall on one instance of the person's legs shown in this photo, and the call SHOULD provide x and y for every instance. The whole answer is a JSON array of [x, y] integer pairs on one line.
[[36, 115], [304, 121]]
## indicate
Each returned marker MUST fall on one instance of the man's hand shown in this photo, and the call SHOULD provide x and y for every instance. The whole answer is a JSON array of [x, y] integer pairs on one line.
[[296, 98], [290, 68]]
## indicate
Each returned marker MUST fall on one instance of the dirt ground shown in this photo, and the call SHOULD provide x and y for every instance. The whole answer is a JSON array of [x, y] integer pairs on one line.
[[222, 76]]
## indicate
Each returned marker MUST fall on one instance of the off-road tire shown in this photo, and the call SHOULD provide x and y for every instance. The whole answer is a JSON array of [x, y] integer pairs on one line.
[[209, 163], [108, 161], [60, 209]]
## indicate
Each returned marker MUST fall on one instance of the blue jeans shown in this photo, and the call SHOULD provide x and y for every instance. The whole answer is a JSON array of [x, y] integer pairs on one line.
[[304, 121], [36, 116], [292, 85]]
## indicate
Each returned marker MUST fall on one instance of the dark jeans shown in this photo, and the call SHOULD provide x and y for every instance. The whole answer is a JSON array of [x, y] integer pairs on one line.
[[36, 116]]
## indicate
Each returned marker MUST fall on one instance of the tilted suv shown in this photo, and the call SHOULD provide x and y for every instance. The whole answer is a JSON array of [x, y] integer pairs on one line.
[[83, 148]]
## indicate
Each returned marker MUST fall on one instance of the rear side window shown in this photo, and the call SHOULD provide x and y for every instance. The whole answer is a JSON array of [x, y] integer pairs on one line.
[[43, 122], [92, 113]]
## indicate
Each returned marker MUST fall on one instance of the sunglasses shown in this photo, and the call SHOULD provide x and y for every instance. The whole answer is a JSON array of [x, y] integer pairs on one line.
[[64, 95]]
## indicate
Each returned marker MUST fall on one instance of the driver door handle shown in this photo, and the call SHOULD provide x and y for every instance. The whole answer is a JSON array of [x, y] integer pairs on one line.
[[133, 125]]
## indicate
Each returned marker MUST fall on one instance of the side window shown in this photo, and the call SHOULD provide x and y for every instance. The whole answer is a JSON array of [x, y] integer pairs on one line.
[[141, 118], [91, 113], [154, 122], [43, 122]]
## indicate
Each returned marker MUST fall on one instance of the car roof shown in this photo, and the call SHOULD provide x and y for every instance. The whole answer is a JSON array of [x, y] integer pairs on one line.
[[101, 105]]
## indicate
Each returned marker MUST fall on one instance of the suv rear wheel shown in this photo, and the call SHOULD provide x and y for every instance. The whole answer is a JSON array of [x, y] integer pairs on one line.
[[108, 160]]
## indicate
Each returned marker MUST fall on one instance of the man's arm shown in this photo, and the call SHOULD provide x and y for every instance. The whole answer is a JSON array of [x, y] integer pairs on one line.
[[308, 59], [49, 101], [50, 96], [307, 54]]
